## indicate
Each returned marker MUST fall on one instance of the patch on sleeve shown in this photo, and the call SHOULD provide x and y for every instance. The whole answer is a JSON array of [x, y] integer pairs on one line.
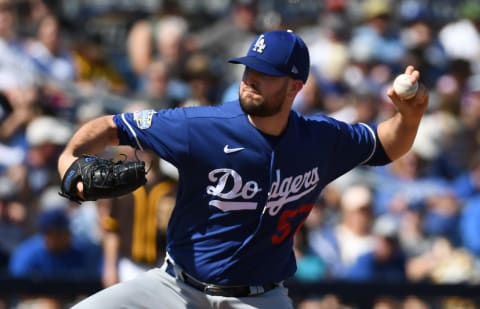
[[144, 118]]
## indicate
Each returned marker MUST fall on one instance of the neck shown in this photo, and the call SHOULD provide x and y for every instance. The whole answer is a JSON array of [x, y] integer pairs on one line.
[[272, 125]]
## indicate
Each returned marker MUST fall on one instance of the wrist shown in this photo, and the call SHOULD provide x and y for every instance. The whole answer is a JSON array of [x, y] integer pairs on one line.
[[407, 120]]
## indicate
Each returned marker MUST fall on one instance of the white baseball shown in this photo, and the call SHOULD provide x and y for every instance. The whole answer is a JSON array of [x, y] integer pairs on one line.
[[404, 88]]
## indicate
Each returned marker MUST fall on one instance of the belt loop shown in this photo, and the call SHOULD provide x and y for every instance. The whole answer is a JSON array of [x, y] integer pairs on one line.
[[177, 270]]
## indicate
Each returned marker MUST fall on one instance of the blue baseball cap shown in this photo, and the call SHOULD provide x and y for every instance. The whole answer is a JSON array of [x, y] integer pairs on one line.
[[53, 219], [278, 53]]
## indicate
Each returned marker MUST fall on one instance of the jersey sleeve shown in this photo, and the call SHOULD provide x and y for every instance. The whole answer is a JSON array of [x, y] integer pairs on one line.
[[356, 144], [355, 141], [164, 132]]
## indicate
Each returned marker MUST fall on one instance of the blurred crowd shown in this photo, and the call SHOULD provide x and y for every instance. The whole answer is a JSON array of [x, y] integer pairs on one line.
[[63, 63]]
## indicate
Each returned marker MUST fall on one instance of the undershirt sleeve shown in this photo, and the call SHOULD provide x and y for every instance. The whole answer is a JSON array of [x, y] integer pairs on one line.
[[379, 156]]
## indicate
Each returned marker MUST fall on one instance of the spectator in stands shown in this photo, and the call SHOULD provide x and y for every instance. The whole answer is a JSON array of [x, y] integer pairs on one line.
[[442, 216], [329, 58], [94, 69], [230, 34], [160, 89], [376, 39], [461, 37], [84, 220], [470, 113], [156, 49], [14, 146], [201, 81], [453, 125], [412, 239], [409, 185], [52, 253], [421, 41], [18, 110], [361, 107], [386, 262], [443, 263], [325, 212], [32, 12], [46, 136], [404, 184], [469, 229], [16, 71], [310, 267], [341, 245], [49, 53], [440, 142], [225, 37], [13, 215], [160, 37], [467, 184], [34, 170]]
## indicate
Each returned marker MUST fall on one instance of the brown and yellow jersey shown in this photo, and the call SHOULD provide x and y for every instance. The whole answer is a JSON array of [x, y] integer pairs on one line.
[[140, 219]]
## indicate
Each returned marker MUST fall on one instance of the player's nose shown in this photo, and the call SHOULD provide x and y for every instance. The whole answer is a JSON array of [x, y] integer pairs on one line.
[[250, 77]]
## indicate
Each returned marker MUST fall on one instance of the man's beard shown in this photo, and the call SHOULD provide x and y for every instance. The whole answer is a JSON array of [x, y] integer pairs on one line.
[[259, 110], [263, 108]]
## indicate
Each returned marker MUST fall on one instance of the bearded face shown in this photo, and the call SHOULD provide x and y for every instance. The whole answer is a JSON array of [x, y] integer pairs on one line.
[[262, 95]]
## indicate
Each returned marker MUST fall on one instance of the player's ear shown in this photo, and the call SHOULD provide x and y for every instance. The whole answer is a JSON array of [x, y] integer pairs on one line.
[[295, 86]]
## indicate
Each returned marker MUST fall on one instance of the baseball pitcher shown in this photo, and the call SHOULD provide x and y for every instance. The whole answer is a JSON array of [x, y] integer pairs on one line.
[[249, 172]]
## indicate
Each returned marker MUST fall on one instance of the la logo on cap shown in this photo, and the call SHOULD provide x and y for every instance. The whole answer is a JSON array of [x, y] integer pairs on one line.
[[260, 44], [278, 53]]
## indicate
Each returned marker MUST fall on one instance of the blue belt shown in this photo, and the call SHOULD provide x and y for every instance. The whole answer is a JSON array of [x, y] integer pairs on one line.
[[217, 290]]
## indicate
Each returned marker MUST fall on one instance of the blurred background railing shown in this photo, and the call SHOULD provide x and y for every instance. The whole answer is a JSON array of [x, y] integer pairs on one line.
[[358, 295]]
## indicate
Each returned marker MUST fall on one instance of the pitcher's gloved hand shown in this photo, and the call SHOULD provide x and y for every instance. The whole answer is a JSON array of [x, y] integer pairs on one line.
[[102, 178]]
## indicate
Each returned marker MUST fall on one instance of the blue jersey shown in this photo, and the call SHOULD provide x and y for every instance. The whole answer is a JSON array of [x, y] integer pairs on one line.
[[242, 194], [31, 258]]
